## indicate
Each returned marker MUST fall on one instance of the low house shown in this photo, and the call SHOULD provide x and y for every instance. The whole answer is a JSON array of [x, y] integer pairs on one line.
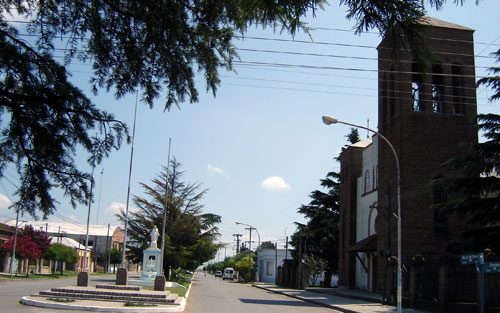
[[5, 232], [268, 261], [102, 238]]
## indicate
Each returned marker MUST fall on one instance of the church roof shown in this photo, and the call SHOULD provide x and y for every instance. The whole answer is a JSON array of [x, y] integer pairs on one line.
[[362, 143], [67, 228], [431, 21]]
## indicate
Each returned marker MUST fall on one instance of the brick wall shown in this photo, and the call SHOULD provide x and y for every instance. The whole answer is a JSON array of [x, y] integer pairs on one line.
[[423, 140]]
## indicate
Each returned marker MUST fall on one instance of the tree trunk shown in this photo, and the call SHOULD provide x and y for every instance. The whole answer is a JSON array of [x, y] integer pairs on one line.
[[328, 278]]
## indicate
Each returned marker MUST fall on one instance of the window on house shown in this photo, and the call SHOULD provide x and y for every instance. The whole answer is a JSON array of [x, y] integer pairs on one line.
[[416, 89], [269, 268], [437, 89], [367, 181], [457, 82], [440, 216]]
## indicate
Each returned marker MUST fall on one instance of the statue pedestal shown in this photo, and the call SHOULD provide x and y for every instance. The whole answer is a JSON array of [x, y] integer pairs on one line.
[[151, 262], [151, 268]]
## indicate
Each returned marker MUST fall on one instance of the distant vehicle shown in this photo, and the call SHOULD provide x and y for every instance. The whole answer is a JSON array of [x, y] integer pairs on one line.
[[189, 272], [228, 273], [218, 274]]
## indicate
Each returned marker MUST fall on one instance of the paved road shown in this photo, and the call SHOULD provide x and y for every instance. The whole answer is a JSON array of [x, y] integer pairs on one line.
[[213, 295], [12, 291]]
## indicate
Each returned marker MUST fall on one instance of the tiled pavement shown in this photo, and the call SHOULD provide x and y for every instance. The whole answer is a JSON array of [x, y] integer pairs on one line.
[[348, 302]]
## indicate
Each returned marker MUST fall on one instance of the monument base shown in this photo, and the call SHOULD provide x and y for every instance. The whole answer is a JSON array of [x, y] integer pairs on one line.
[[150, 283]]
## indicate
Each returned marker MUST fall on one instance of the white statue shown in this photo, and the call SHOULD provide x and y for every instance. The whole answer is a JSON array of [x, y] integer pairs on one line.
[[154, 238]]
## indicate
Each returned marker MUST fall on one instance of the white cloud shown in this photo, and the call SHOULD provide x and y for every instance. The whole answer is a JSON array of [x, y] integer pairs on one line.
[[216, 170], [275, 183], [116, 207], [13, 15], [5, 202]]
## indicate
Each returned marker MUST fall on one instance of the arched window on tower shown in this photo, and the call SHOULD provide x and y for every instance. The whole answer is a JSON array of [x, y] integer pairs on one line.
[[457, 81], [437, 89], [416, 89]]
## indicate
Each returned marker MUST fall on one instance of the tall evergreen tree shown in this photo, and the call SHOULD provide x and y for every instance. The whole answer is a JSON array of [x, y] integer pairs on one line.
[[476, 191], [477, 188], [320, 235], [190, 234]]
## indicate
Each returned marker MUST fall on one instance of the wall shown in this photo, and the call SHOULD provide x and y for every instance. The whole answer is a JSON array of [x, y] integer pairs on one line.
[[265, 256], [367, 196]]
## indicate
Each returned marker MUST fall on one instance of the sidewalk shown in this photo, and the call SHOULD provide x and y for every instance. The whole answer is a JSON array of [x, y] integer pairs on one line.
[[348, 303]]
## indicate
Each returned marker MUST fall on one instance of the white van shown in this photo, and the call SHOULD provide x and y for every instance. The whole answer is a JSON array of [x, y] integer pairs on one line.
[[228, 273]]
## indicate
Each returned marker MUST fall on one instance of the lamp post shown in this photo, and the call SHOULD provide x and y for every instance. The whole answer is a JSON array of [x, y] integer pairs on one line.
[[250, 227], [14, 246], [128, 188], [165, 212], [328, 120], [88, 221]]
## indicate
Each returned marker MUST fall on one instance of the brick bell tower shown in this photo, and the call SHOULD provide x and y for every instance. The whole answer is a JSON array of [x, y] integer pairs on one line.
[[426, 116]]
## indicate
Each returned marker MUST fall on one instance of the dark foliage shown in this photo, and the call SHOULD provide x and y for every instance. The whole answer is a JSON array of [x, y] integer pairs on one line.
[[190, 234]]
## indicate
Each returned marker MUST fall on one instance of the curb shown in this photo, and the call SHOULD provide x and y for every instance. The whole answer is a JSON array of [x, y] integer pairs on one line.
[[326, 305], [356, 297], [51, 305]]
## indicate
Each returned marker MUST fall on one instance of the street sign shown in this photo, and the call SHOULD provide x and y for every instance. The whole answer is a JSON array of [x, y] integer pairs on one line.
[[472, 258], [491, 267]]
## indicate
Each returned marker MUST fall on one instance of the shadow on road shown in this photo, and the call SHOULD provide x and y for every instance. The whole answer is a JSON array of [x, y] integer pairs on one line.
[[277, 302]]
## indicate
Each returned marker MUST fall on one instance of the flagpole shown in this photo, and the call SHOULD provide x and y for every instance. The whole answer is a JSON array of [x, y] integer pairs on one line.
[[165, 210]]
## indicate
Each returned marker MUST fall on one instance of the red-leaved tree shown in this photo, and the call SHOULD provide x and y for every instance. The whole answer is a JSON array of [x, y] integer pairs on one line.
[[30, 244]]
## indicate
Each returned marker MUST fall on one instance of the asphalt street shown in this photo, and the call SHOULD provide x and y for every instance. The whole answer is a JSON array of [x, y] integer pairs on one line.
[[213, 295], [12, 291]]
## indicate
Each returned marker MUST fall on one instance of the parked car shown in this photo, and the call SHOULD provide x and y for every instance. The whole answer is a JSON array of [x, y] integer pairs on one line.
[[228, 273], [218, 274]]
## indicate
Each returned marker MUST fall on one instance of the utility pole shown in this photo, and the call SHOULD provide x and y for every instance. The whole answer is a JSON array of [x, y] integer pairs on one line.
[[108, 247], [249, 252], [276, 264], [286, 248], [237, 242], [299, 274]]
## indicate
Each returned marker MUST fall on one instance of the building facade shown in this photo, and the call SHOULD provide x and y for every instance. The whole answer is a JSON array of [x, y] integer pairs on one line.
[[268, 260], [426, 114]]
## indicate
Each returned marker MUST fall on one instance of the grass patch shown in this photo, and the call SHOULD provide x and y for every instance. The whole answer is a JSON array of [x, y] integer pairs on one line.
[[177, 290], [141, 304], [31, 276], [64, 300], [47, 276]]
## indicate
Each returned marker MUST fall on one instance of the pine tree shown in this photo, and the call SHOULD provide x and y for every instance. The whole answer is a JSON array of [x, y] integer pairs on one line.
[[190, 234], [476, 191]]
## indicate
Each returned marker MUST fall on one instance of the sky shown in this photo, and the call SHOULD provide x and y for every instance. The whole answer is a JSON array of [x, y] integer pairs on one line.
[[259, 146]]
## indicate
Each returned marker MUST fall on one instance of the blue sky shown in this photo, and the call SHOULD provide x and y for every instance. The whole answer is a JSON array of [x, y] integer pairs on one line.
[[259, 146]]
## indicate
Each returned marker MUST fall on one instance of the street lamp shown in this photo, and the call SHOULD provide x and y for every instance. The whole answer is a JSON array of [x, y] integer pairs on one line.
[[328, 120], [250, 227]]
